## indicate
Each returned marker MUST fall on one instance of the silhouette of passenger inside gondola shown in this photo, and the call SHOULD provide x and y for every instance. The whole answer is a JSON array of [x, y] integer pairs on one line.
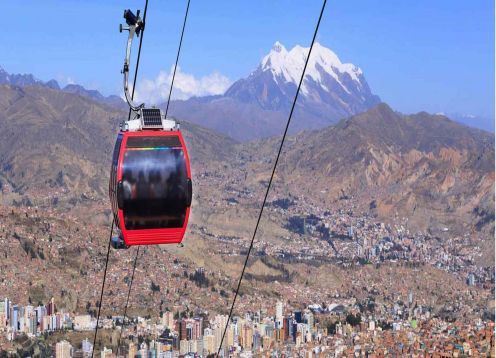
[[142, 190], [129, 194], [155, 188], [156, 195], [156, 185], [128, 183], [141, 186]]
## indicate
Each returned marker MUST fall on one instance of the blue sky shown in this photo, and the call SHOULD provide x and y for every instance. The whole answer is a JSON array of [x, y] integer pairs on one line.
[[416, 55]]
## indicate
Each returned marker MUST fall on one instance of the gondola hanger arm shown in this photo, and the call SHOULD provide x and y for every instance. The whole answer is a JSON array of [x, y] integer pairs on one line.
[[135, 26]]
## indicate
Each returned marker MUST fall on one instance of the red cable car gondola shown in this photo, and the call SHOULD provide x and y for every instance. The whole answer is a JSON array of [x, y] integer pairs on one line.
[[150, 186], [150, 180]]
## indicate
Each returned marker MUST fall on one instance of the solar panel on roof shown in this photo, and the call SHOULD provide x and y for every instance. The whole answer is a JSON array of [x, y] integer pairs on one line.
[[152, 117]]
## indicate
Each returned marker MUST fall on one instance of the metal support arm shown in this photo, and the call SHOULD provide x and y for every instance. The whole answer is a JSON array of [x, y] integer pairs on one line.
[[135, 26]]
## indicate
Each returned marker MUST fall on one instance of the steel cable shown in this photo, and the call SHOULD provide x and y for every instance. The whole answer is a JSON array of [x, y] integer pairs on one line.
[[272, 175]]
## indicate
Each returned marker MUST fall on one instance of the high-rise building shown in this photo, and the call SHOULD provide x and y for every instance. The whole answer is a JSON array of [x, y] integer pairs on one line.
[[257, 316], [106, 353], [266, 342], [199, 346], [32, 323], [51, 307], [87, 347], [298, 316], [371, 325], [193, 346], [257, 341], [220, 321], [279, 316], [197, 328], [183, 347], [209, 343], [40, 313], [63, 349], [7, 304], [230, 334], [132, 350], [279, 311], [168, 320], [182, 329], [309, 319], [143, 351], [45, 323], [14, 318], [287, 327], [269, 331], [3, 315], [247, 337]]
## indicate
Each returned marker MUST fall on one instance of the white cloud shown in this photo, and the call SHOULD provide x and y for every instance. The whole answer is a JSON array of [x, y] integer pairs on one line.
[[156, 91]]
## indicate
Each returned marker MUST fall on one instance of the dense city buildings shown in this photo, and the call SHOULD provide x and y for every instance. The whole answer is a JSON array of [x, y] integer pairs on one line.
[[338, 329], [326, 280], [30, 320]]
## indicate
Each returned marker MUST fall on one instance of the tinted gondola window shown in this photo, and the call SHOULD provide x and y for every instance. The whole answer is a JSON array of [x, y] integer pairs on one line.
[[154, 179]]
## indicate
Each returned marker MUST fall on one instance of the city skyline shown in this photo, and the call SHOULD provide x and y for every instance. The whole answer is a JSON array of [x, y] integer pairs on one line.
[[282, 330]]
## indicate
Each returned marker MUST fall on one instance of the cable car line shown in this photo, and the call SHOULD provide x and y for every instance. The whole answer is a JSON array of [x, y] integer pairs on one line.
[[129, 117], [272, 174], [103, 286], [139, 55], [127, 300], [150, 186], [113, 217], [177, 59], [130, 110]]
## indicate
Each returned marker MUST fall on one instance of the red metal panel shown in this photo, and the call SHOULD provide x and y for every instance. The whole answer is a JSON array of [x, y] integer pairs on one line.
[[152, 236]]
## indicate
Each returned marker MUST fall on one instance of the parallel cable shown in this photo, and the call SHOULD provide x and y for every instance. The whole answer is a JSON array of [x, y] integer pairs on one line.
[[272, 175], [103, 286], [113, 220], [139, 55], [127, 300], [167, 108], [177, 59], [129, 117]]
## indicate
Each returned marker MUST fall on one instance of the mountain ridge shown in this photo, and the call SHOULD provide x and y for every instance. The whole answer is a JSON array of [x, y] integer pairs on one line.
[[427, 167], [27, 79], [422, 166], [52, 139]]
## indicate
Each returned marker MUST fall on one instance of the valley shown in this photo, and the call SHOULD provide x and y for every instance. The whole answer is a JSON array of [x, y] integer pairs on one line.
[[389, 216]]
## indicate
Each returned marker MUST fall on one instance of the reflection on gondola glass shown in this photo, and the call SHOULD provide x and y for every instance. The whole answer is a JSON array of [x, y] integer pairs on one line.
[[155, 186]]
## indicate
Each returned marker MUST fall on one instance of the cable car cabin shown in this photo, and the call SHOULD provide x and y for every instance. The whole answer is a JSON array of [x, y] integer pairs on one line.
[[150, 183]]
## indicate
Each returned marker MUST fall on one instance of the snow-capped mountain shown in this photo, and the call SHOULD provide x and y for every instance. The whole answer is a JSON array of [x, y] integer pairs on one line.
[[330, 88], [258, 105]]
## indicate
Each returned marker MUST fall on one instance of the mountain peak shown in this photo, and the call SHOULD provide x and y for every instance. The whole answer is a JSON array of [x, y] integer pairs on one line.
[[331, 90], [25, 79], [287, 66], [278, 47]]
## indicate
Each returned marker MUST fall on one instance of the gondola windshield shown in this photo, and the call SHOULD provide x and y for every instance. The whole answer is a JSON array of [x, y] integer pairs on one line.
[[155, 183]]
